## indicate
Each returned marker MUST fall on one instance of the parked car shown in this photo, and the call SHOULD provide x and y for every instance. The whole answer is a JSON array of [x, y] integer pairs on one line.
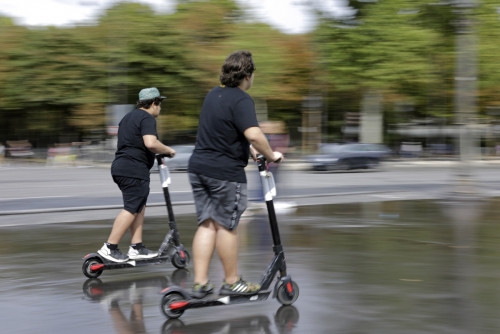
[[348, 156], [19, 149], [180, 161]]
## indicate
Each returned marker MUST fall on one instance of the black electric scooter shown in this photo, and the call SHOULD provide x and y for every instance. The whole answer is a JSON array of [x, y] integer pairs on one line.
[[171, 248], [176, 300]]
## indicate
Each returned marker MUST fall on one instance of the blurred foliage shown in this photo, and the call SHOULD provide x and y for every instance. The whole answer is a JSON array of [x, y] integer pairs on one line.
[[59, 80], [407, 51], [401, 51], [56, 82]]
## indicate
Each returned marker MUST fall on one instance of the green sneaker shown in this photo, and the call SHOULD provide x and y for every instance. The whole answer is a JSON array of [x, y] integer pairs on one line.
[[241, 288], [200, 291]]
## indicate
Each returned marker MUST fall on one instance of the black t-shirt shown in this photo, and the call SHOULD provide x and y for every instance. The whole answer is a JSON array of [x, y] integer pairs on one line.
[[132, 157], [221, 149]]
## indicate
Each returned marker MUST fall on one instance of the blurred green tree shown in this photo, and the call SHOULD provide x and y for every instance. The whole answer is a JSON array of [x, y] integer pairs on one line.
[[57, 81], [400, 50], [488, 31]]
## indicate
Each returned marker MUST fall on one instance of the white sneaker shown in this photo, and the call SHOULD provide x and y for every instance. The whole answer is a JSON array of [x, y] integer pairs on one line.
[[114, 255], [141, 253]]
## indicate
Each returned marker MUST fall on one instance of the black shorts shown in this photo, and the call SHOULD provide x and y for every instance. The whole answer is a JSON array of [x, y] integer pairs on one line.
[[223, 201], [135, 193]]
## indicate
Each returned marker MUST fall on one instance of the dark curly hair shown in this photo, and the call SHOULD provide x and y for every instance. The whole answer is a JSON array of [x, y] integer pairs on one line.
[[238, 66], [147, 103]]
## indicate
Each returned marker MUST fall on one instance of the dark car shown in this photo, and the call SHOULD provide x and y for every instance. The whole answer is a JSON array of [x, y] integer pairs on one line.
[[181, 159], [348, 156]]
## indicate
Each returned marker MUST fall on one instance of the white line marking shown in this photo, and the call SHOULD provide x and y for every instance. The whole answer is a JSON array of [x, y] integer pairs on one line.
[[39, 197], [69, 196], [161, 192]]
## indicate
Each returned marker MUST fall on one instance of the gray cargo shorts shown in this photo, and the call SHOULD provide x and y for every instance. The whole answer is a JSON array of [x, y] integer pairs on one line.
[[223, 201]]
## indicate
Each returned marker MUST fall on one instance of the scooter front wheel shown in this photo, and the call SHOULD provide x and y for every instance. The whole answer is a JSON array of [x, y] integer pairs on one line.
[[166, 305], [288, 293], [88, 265], [180, 259]]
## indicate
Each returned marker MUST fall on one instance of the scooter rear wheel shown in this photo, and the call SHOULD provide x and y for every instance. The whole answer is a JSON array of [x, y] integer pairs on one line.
[[178, 261], [166, 301], [87, 264], [286, 298]]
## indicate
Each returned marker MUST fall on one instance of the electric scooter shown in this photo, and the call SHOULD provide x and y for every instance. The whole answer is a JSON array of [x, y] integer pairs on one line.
[[176, 300], [171, 248]]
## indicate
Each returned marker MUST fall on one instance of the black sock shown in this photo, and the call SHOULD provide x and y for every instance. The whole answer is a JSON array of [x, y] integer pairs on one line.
[[137, 245], [111, 246]]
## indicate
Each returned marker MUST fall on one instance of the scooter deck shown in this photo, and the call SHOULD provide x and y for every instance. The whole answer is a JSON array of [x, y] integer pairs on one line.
[[137, 263], [216, 299], [108, 265]]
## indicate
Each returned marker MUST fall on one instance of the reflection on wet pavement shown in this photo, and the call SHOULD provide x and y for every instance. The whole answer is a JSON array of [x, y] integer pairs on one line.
[[131, 293], [285, 319], [388, 267]]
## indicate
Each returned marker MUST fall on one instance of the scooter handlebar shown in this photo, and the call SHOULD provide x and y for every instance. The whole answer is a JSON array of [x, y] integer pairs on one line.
[[262, 159], [261, 162], [166, 155], [160, 157]]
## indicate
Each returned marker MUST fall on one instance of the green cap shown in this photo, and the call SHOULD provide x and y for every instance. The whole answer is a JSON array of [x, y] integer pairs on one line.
[[149, 94]]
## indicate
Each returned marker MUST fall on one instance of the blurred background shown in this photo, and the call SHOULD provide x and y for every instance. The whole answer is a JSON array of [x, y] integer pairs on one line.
[[420, 77], [340, 84]]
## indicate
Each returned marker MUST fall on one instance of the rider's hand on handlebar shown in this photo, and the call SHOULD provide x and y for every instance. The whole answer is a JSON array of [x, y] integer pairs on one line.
[[169, 155], [278, 157]]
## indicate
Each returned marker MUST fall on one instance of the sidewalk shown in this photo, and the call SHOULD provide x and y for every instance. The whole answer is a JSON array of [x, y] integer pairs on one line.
[[39, 195], [300, 164]]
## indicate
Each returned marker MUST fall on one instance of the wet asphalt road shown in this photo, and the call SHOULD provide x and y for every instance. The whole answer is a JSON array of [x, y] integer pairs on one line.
[[412, 266], [380, 267]]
